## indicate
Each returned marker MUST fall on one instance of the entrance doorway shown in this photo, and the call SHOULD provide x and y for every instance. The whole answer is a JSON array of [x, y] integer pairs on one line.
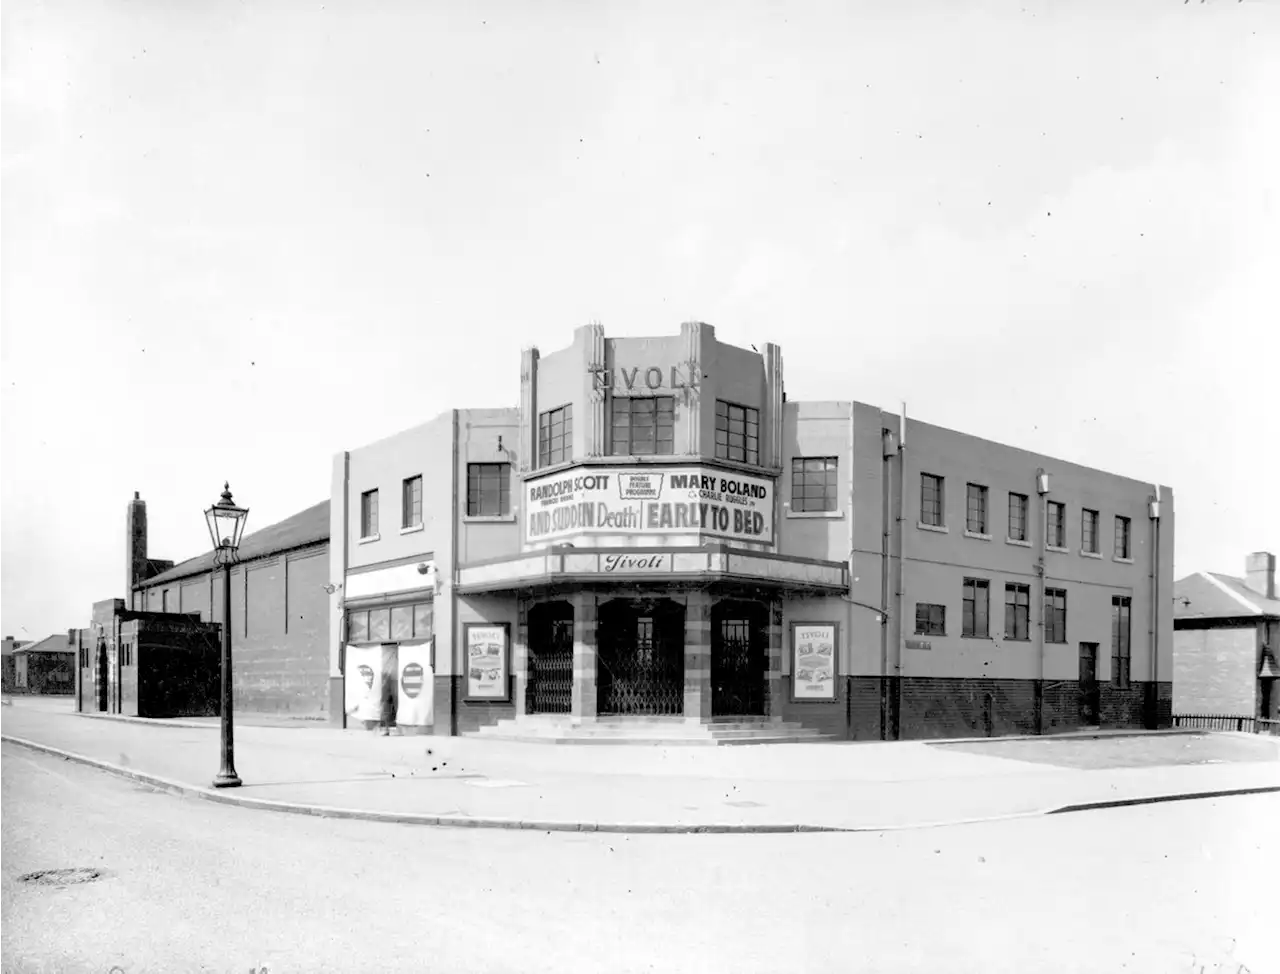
[[739, 659], [1090, 694], [550, 686], [104, 672], [641, 657]]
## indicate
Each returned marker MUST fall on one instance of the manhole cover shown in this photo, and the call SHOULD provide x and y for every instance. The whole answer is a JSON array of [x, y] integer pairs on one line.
[[61, 877]]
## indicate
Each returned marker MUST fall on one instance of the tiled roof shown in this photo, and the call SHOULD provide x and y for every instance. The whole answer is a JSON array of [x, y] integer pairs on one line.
[[307, 527], [50, 644], [1213, 596]]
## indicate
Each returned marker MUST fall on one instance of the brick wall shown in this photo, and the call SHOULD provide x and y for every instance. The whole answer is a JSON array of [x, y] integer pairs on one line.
[[279, 629], [1214, 671]]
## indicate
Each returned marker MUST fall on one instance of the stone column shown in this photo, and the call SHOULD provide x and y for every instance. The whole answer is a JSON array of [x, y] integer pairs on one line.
[[697, 656], [776, 649], [584, 656], [520, 655]]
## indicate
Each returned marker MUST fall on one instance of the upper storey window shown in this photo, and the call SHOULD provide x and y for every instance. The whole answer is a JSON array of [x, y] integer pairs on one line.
[[643, 426], [555, 436], [737, 432]]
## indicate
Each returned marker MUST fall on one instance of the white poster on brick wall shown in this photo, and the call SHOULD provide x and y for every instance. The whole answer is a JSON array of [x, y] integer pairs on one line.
[[416, 684], [363, 690]]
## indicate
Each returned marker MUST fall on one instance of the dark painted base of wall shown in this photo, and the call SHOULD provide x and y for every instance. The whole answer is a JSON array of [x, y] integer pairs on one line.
[[869, 708]]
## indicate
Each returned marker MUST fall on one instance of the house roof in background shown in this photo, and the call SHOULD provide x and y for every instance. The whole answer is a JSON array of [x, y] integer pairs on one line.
[[56, 643], [304, 528], [1214, 596]]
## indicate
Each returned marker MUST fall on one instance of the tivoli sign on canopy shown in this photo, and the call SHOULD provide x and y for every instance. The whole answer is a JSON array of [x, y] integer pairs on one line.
[[649, 501]]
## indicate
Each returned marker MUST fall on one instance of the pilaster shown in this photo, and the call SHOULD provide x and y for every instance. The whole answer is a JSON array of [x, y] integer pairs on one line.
[[694, 334], [520, 656], [590, 435], [774, 669], [697, 656], [528, 408], [584, 656], [772, 454]]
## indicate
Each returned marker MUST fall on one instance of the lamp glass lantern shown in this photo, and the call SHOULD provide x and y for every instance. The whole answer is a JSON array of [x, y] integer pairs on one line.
[[226, 524]]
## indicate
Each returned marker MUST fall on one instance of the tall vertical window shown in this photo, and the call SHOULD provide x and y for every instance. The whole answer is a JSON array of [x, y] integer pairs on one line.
[[1017, 611], [411, 502], [737, 432], [368, 514], [813, 484], [1122, 538], [1055, 615], [643, 426], [488, 489], [1017, 517], [1120, 606], [931, 499], [1057, 525], [977, 606], [976, 509], [1089, 531], [555, 436]]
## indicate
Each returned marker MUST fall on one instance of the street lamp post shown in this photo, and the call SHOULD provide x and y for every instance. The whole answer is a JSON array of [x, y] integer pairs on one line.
[[226, 526]]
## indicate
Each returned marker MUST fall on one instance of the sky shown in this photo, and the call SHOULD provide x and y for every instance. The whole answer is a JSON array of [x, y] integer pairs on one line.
[[239, 238]]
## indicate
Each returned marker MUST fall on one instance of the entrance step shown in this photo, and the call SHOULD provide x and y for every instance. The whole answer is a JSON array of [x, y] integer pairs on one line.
[[666, 731]]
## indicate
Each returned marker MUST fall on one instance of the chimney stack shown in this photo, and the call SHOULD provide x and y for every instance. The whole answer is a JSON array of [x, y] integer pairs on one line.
[[135, 546], [1260, 573]]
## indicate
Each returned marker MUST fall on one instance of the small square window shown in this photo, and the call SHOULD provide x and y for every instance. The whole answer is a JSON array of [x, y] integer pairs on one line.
[[488, 489], [931, 620], [813, 484]]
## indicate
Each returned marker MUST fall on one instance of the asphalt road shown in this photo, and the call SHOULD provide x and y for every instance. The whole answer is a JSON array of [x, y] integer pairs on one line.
[[192, 886]]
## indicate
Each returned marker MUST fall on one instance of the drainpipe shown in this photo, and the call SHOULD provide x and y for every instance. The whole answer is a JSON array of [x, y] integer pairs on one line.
[[1153, 512], [902, 561], [1042, 488], [886, 478], [848, 639], [458, 667]]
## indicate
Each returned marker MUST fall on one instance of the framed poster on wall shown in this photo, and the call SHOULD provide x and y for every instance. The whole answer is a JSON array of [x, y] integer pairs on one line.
[[813, 661], [488, 659]]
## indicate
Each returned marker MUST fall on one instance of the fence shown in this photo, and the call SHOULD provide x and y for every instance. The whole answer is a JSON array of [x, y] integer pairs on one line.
[[1228, 722]]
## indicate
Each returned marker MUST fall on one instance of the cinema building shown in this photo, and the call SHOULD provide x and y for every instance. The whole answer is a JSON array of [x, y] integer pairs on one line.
[[658, 541]]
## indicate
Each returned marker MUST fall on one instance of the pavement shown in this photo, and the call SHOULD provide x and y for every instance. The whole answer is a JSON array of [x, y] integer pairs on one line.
[[190, 885], [462, 781]]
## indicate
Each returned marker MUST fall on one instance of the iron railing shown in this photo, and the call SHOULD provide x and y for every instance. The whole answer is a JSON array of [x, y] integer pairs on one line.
[[1228, 722]]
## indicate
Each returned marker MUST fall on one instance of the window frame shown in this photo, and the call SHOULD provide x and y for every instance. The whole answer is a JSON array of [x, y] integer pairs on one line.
[[830, 485], [1055, 615], [477, 474], [981, 494], [1021, 603], [1127, 534], [724, 433], [369, 514], [411, 507], [969, 617], [1089, 539], [1121, 640], [941, 500], [934, 623], [1023, 506], [662, 407], [555, 448], [1055, 533]]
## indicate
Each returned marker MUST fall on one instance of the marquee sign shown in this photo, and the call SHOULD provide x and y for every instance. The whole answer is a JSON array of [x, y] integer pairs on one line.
[[649, 502]]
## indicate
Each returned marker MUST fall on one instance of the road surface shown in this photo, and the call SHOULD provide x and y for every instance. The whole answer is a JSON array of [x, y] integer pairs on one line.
[[192, 886]]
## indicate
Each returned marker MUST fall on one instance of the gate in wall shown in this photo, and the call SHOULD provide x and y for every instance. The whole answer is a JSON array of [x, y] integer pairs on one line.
[[549, 689], [640, 658], [739, 659]]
